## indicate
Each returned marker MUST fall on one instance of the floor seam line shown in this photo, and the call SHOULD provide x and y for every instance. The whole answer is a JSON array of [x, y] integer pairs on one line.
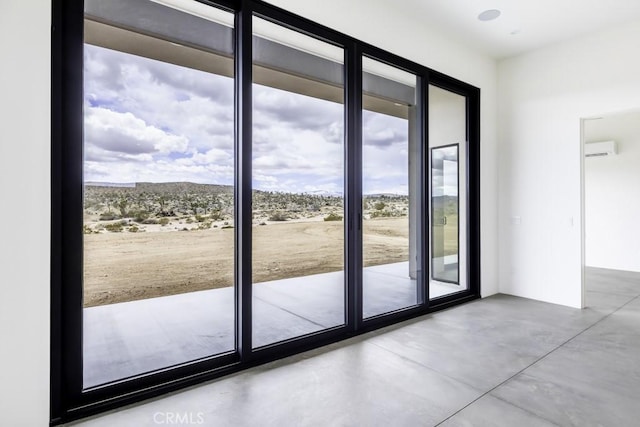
[[538, 360], [526, 410], [424, 366], [292, 313]]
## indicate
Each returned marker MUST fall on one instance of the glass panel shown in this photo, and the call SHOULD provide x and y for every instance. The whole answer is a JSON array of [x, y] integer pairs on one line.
[[448, 144], [444, 214], [158, 187], [298, 181], [391, 188]]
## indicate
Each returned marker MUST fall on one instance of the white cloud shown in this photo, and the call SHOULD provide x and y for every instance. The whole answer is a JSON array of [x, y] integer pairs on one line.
[[151, 121], [125, 133], [212, 157]]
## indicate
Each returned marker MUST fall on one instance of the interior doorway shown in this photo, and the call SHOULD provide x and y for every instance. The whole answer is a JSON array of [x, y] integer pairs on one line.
[[610, 209]]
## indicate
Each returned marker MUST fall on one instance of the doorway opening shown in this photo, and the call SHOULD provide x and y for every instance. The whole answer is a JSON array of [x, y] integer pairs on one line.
[[610, 236]]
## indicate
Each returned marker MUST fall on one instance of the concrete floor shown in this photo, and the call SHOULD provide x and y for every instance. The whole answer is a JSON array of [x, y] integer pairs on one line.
[[499, 361], [126, 339]]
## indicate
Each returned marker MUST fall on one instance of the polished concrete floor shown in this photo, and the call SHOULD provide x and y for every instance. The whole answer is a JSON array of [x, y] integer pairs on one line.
[[499, 361]]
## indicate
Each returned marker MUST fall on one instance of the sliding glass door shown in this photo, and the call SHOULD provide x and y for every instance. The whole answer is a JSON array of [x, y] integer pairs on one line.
[[391, 165], [158, 259], [298, 184], [448, 142], [232, 184]]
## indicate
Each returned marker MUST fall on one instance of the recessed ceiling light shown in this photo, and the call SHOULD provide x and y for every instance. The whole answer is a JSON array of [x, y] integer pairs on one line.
[[489, 15]]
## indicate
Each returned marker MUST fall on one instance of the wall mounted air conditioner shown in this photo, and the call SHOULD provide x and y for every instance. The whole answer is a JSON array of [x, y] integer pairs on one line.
[[598, 149]]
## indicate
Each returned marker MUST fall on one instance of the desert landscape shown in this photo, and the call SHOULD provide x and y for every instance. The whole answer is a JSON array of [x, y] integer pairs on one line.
[[147, 240]]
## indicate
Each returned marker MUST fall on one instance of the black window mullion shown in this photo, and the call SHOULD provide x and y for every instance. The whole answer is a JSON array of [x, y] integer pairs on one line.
[[243, 114], [422, 105], [353, 180], [66, 207], [473, 190]]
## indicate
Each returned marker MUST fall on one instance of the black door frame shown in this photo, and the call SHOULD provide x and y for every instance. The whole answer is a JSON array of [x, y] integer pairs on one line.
[[68, 399]]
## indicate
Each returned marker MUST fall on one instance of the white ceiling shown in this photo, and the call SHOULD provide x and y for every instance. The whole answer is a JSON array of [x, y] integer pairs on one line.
[[535, 23]]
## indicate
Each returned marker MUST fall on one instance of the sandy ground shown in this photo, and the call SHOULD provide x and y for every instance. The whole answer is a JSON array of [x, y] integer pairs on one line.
[[130, 266]]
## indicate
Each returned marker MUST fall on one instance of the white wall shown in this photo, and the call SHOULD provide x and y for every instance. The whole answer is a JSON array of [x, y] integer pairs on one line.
[[24, 212], [398, 30], [612, 208], [542, 96]]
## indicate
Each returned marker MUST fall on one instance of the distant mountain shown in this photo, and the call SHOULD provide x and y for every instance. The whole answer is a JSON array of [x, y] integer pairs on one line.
[[385, 195], [324, 193], [110, 184], [194, 188], [164, 187], [183, 187]]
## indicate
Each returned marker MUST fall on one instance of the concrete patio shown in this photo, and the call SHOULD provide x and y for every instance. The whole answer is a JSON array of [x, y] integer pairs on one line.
[[126, 339]]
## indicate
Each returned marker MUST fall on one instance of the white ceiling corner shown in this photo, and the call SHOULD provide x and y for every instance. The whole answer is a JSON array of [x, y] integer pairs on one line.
[[536, 23]]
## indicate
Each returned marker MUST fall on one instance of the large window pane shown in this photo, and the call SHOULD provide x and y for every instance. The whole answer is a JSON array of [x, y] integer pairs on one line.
[[448, 145], [390, 185], [158, 187], [298, 181]]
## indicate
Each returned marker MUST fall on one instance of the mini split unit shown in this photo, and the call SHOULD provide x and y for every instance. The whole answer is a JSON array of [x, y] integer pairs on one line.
[[599, 149]]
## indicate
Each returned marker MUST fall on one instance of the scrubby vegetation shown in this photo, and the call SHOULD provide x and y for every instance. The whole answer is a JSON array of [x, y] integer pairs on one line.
[[183, 205], [333, 217], [278, 216]]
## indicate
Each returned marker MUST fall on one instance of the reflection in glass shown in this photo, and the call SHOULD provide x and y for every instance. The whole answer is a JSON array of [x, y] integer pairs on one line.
[[390, 185], [158, 189], [298, 182], [448, 144], [444, 214]]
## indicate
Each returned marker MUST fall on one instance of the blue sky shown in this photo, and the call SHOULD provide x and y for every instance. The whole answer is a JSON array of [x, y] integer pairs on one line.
[[151, 121]]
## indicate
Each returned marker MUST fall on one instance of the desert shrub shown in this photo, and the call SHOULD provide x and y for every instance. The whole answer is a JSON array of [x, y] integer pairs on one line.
[[134, 229], [379, 206], [381, 214], [115, 227], [226, 226], [278, 216], [140, 217], [107, 217], [87, 230], [122, 205], [200, 218], [188, 221], [263, 223], [150, 221], [216, 216], [333, 217], [204, 225], [163, 221]]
